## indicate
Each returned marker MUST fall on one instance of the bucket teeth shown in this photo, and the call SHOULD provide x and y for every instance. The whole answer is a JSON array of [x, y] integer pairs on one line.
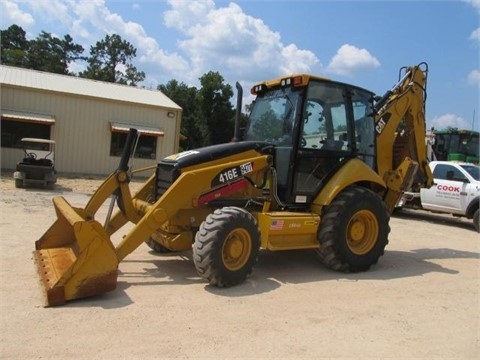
[[52, 264], [75, 257], [61, 280]]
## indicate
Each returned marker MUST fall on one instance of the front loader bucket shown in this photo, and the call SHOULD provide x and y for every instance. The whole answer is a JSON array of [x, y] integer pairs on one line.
[[75, 257]]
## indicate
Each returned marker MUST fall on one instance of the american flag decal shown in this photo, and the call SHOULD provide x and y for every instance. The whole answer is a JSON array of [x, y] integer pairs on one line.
[[276, 225]]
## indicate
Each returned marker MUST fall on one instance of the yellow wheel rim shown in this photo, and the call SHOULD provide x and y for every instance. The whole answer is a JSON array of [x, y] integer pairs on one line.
[[236, 249], [362, 232]]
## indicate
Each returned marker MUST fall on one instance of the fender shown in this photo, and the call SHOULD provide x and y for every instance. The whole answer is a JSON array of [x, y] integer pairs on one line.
[[354, 171]]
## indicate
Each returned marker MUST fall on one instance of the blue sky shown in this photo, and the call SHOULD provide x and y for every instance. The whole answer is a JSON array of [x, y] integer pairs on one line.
[[359, 42]]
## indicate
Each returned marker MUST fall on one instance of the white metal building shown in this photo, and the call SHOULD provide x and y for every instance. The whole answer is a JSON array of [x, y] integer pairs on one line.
[[88, 120]]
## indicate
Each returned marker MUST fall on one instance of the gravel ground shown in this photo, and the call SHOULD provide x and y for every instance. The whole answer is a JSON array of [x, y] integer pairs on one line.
[[421, 301]]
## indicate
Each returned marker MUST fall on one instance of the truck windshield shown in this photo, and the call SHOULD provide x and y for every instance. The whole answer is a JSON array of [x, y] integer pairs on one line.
[[272, 116]]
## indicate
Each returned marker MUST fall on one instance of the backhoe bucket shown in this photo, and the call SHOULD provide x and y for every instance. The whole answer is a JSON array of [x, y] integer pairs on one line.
[[75, 257]]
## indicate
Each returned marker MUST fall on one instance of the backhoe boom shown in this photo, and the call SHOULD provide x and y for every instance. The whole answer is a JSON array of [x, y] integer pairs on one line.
[[400, 120]]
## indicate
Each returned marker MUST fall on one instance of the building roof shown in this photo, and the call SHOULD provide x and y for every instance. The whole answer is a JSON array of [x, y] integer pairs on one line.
[[28, 78]]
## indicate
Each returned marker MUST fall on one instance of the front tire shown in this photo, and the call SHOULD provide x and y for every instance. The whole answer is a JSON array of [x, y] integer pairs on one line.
[[476, 220], [354, 230], [226, 246]]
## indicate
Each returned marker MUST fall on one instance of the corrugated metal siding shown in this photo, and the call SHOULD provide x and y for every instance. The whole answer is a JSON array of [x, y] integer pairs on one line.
[[82, 128]]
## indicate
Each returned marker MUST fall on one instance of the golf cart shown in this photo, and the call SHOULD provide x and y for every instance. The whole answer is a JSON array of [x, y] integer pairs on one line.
[[38, 165]]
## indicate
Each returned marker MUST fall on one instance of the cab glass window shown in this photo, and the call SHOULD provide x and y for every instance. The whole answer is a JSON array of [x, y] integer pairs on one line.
[[324, 124], [272, 117], [364, 126]]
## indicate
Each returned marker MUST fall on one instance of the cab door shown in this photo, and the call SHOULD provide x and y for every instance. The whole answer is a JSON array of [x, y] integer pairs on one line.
[[323, 138]]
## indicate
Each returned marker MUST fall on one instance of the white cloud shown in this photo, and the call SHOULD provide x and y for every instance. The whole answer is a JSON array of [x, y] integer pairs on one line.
[[12, 14], [474, 3], [475, 35], [448, 120], [474, 77], [94, 15], [297, 60], [77, 29], [186, 14], [223, 39], [55, 13], [350, 59], [231, 42], [51, 11]]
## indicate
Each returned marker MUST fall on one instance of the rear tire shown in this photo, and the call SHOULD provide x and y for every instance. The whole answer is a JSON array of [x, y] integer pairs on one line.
[[476, 220], [226, 246], [354, 230]]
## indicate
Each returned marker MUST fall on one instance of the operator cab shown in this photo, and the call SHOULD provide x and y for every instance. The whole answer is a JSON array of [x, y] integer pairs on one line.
[[315, 125]]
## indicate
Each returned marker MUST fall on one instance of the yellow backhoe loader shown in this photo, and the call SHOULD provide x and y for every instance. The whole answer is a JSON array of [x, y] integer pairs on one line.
[[320, 166]]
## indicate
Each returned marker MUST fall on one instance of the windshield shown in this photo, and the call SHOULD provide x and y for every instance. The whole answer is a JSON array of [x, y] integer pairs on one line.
[[473, 170], [464, 143], [469, 144], [272, 117]]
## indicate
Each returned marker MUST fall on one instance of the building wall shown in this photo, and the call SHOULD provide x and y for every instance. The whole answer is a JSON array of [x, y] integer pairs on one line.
[[82, 128]]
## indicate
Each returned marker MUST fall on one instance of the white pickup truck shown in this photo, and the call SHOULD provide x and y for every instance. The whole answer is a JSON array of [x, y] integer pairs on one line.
[[456, 191]]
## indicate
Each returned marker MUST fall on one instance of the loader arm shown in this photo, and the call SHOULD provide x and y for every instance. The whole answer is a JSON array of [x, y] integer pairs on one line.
[[400, 121], [153, 216], [76, 258]]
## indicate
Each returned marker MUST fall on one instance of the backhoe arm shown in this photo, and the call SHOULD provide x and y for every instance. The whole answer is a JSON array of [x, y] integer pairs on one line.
[[400, 134]]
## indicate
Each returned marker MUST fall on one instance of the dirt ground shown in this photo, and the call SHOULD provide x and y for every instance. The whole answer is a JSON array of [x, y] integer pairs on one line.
[[421, 301]]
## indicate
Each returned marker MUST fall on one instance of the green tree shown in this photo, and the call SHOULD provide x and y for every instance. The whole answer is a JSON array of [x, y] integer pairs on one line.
[[132, 76], [51, 54], [193, 126], [215, 107], [110, 60], [45, 53], [14, 47]]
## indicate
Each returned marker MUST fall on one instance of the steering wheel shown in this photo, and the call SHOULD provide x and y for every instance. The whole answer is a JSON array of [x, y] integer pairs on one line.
[[32, 155]]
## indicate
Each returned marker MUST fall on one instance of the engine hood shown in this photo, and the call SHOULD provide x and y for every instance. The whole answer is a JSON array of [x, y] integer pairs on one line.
[[214, 152]]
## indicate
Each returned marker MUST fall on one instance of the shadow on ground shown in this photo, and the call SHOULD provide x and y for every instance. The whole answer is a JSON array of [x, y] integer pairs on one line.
[[273, 270], [438, 219]]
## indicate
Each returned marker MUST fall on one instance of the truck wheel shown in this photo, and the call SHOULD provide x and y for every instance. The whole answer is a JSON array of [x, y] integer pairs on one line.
[[155, 246], [226, 246], [19, 183], [476, 220], [354, 230]]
